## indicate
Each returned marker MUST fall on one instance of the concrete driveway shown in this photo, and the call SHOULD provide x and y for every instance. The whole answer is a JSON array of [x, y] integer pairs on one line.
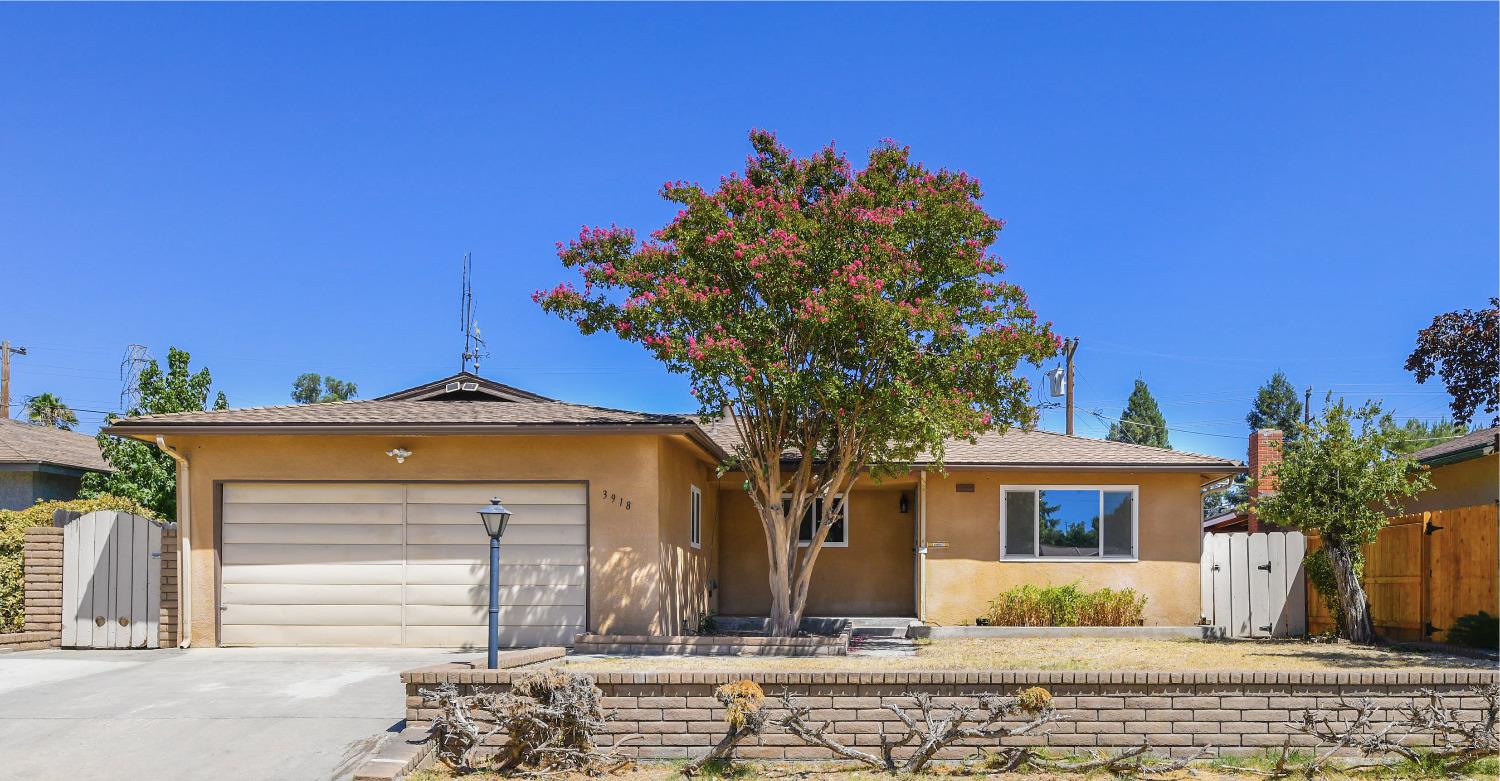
[[268, 714]]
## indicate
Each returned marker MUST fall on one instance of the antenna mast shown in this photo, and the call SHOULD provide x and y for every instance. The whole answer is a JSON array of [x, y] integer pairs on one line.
[[474, 347]]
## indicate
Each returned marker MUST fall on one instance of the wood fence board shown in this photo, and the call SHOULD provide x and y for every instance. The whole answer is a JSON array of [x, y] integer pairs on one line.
[[1206, 579], [1223, 615], [1295, 612], [1239, 599], [1257, 557], [1278, 581]]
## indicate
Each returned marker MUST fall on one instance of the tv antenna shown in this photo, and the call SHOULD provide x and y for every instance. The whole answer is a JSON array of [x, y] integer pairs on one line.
[[136, 356], [474, 347]]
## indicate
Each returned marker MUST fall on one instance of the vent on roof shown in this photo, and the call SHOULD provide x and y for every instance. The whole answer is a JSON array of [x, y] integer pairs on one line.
[[451, 387], [471, 386]]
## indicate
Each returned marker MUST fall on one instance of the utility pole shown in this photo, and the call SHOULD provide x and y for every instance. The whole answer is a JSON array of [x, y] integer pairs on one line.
[[5, 351], [1070, 346], [1307, 406]]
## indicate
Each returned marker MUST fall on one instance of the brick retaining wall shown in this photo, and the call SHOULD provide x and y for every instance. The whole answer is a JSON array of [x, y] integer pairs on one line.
[[43, 560], [713, 645], [1179, 713]]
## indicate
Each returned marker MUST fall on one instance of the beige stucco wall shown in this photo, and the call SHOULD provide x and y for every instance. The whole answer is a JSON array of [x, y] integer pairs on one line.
[[871, 577], [964, 575], [1464, 484], [686, 572], [625, 545]]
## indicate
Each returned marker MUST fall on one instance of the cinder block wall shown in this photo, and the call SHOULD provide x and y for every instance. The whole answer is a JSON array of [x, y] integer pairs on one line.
[[43, 558], [1178, 713]]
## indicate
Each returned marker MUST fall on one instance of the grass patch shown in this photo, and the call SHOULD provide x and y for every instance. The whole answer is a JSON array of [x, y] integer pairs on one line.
[[1074, 653]]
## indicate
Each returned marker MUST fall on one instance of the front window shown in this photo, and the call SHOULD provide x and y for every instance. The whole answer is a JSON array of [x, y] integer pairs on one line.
[[838, 536], [1069, 522], [695, 521]]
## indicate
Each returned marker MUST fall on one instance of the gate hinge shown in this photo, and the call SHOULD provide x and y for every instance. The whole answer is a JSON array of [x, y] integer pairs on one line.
[[1429, 630], [1432, 527], [1266, 566]]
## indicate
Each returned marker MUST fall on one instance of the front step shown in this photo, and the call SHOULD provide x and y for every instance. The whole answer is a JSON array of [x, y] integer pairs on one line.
[[871, 626]]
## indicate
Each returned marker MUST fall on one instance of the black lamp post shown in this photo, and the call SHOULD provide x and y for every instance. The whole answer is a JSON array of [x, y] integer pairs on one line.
[[495, 517]]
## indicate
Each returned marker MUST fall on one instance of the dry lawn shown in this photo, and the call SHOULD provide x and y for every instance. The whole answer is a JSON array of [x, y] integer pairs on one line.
[[1105, 654]]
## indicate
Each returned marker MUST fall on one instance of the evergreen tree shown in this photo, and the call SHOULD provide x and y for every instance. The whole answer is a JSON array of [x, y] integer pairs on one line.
[[1142, 422], [1416, 434], [1276, 406]]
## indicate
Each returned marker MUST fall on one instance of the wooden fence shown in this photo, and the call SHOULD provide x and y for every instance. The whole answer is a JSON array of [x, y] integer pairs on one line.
[[1251, 585], [1424, 572]]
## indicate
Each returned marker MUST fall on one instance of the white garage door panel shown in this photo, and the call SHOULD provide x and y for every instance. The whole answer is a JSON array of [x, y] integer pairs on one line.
[[479, 555], [312, 574], [313, 533], [291, 594], [314, 615], [479, 594], [394, 564], [325, 493], [521, 514], [236, 513], [509, 493], [256, 553], [510, 575], [310, 635], [459, 615], [473, 534], [468, 636]]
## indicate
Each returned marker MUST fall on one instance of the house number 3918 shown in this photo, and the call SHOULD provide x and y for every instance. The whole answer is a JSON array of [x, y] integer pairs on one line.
[[615, 498]]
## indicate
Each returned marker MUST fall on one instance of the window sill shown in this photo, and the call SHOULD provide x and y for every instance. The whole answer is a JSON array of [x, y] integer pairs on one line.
[[1075, 559]]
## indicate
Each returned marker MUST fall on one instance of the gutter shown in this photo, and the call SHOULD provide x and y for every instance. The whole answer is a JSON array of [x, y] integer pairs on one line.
[[142, 430], [184, 546]]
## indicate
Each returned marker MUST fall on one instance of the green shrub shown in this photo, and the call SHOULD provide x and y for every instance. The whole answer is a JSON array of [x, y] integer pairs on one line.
[[1476, 630], [13, 526], [1067, 605]]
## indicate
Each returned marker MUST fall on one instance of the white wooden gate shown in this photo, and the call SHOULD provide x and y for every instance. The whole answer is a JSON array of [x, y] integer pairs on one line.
[[111, 581], [1252, 585]]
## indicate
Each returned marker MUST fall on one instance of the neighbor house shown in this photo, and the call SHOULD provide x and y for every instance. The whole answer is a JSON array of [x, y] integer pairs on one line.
[[1464, 472], [39, 463], [355, 522]]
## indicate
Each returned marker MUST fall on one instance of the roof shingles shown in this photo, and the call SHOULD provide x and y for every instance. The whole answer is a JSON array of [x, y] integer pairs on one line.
[[24, 443]]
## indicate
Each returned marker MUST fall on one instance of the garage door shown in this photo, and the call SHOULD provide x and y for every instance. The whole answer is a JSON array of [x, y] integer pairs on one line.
[[400, 564]]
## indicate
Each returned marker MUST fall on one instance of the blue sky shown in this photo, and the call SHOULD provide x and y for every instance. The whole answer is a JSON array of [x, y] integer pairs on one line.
[[1202, 193]]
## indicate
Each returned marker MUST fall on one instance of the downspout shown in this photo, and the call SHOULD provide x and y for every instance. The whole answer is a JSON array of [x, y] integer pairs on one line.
[[184, 547], [922, 545]]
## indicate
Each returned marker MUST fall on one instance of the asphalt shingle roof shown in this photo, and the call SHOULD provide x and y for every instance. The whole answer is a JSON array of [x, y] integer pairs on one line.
[[1035, 448], [400, 413], [1476, 439], [24, 443]]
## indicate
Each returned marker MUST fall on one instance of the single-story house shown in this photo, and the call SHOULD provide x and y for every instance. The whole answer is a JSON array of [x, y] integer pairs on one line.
[[355, 522], [1464, 472], [39, 463]]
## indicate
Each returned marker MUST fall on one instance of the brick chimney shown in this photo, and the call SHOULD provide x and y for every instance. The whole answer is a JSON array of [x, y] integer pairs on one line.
[[1265, 450]]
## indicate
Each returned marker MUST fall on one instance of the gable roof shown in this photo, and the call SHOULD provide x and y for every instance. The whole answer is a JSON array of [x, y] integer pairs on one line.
[[464, 386], [1039, 449], [26, 443], [1468, 446]]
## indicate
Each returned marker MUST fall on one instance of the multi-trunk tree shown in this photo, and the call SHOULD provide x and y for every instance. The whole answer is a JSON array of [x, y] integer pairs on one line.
[[846, 322], [1340, 479]]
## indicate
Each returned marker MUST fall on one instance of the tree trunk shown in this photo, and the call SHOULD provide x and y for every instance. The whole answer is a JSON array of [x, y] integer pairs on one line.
[[1357, 625], [782, 620]]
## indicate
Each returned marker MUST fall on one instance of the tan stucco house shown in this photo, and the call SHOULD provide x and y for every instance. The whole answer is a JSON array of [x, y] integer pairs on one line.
[[354, 522], [1464, 472]]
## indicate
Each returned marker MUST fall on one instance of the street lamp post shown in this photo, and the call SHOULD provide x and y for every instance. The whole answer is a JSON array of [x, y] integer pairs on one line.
[[495, 517]]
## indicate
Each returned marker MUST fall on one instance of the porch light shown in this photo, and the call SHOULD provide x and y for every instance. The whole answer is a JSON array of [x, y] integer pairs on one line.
[[495, 517]]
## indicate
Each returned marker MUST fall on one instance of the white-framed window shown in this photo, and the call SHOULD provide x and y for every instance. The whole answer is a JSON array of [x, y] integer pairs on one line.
[[838, 536], [695, 522], [1070, 522]]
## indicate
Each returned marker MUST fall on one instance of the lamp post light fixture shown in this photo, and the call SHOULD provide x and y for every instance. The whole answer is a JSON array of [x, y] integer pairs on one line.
[[495, 517]]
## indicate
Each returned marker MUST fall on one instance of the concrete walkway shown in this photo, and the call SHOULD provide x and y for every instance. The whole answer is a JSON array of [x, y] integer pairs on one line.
[[267, 714]]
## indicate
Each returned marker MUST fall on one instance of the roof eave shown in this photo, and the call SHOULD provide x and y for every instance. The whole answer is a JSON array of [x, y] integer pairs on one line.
[[1467, 454], [149, 433]]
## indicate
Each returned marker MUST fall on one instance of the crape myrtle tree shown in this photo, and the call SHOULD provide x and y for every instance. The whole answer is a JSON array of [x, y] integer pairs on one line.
[[853, 320], [1340, 479]]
